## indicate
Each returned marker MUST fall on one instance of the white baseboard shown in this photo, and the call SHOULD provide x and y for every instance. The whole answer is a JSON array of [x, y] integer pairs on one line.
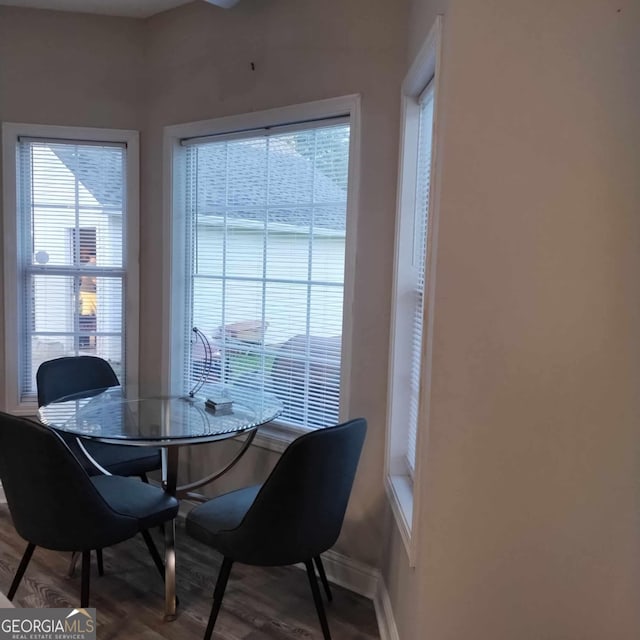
[[351, 574], [365, 581], [384, 613]]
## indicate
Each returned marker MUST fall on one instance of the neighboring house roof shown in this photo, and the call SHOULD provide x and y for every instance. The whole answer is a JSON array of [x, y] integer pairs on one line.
[[312, 197], [256, 183], [99, 173]]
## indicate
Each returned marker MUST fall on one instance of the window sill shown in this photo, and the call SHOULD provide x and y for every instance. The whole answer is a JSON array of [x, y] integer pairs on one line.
[[277, 437], [24, 410], [400, 493]]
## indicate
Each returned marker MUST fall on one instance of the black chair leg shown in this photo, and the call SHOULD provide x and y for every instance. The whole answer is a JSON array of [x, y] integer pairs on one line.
[[218, 594], [86, 575], [317, 598], [153, 550], [22, 567], [323, 577], [72, 563], [100, 562], [74, 560]]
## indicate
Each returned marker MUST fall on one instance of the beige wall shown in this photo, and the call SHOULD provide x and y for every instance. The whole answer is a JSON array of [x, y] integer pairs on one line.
[[422, 14], [70, 69], [531, 521]]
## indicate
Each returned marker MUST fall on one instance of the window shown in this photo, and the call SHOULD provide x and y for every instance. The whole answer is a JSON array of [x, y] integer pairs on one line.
[[69, 213], [417, 270], [263, 242], [409, 368]]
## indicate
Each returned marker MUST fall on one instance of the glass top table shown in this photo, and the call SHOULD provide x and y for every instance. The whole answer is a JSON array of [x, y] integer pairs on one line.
[[168, 423], [111, 417]]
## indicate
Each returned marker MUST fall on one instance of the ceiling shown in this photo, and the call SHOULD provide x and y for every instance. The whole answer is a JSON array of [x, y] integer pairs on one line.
[[130, 8]]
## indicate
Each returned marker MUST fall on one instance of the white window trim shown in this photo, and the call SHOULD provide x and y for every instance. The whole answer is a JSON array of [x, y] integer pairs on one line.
[[401, 490], [274, 436], [11, 132]]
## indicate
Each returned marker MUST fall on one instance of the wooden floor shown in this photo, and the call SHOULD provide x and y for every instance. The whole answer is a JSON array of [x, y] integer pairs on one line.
[[260, 604]]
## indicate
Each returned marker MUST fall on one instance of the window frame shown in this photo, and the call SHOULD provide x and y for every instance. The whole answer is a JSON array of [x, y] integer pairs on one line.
[[276, 435], [402, 489], [11, 133]]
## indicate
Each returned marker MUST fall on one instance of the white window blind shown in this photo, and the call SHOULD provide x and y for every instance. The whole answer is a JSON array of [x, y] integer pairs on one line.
[[71, 210], [265, 251], [419, 262]]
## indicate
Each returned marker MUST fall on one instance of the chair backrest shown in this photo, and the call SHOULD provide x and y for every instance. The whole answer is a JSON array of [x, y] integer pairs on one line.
[[299, 510], [72, 375], [52, 501]]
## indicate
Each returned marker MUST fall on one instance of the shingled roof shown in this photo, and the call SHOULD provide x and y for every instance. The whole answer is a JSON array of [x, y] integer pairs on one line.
[[262, 180], [99, 173], [314, 195]]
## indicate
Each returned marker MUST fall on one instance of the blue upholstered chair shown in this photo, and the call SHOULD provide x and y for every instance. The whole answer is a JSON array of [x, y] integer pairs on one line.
[[55, 504], [89, 375], [293, 517]]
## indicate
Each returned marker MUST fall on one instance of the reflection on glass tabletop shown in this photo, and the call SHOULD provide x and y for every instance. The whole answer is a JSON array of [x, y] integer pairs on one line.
[[110, 416]]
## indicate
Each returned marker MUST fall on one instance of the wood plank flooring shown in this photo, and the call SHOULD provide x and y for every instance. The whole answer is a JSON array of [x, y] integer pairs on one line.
[[259, 604]]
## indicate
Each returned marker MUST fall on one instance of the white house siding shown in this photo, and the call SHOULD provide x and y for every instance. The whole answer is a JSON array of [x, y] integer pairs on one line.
[[282, 306]]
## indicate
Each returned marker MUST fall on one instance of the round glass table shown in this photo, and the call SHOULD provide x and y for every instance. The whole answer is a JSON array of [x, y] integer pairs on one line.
[[165, 422]]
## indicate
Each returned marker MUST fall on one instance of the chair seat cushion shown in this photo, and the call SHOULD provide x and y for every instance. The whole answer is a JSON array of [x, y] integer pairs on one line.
[[223, 513], [123, 460], [130, 497]]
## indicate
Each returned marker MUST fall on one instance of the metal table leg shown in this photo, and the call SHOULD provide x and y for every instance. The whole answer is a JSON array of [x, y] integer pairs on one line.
[[169, 484], [186, 490]]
